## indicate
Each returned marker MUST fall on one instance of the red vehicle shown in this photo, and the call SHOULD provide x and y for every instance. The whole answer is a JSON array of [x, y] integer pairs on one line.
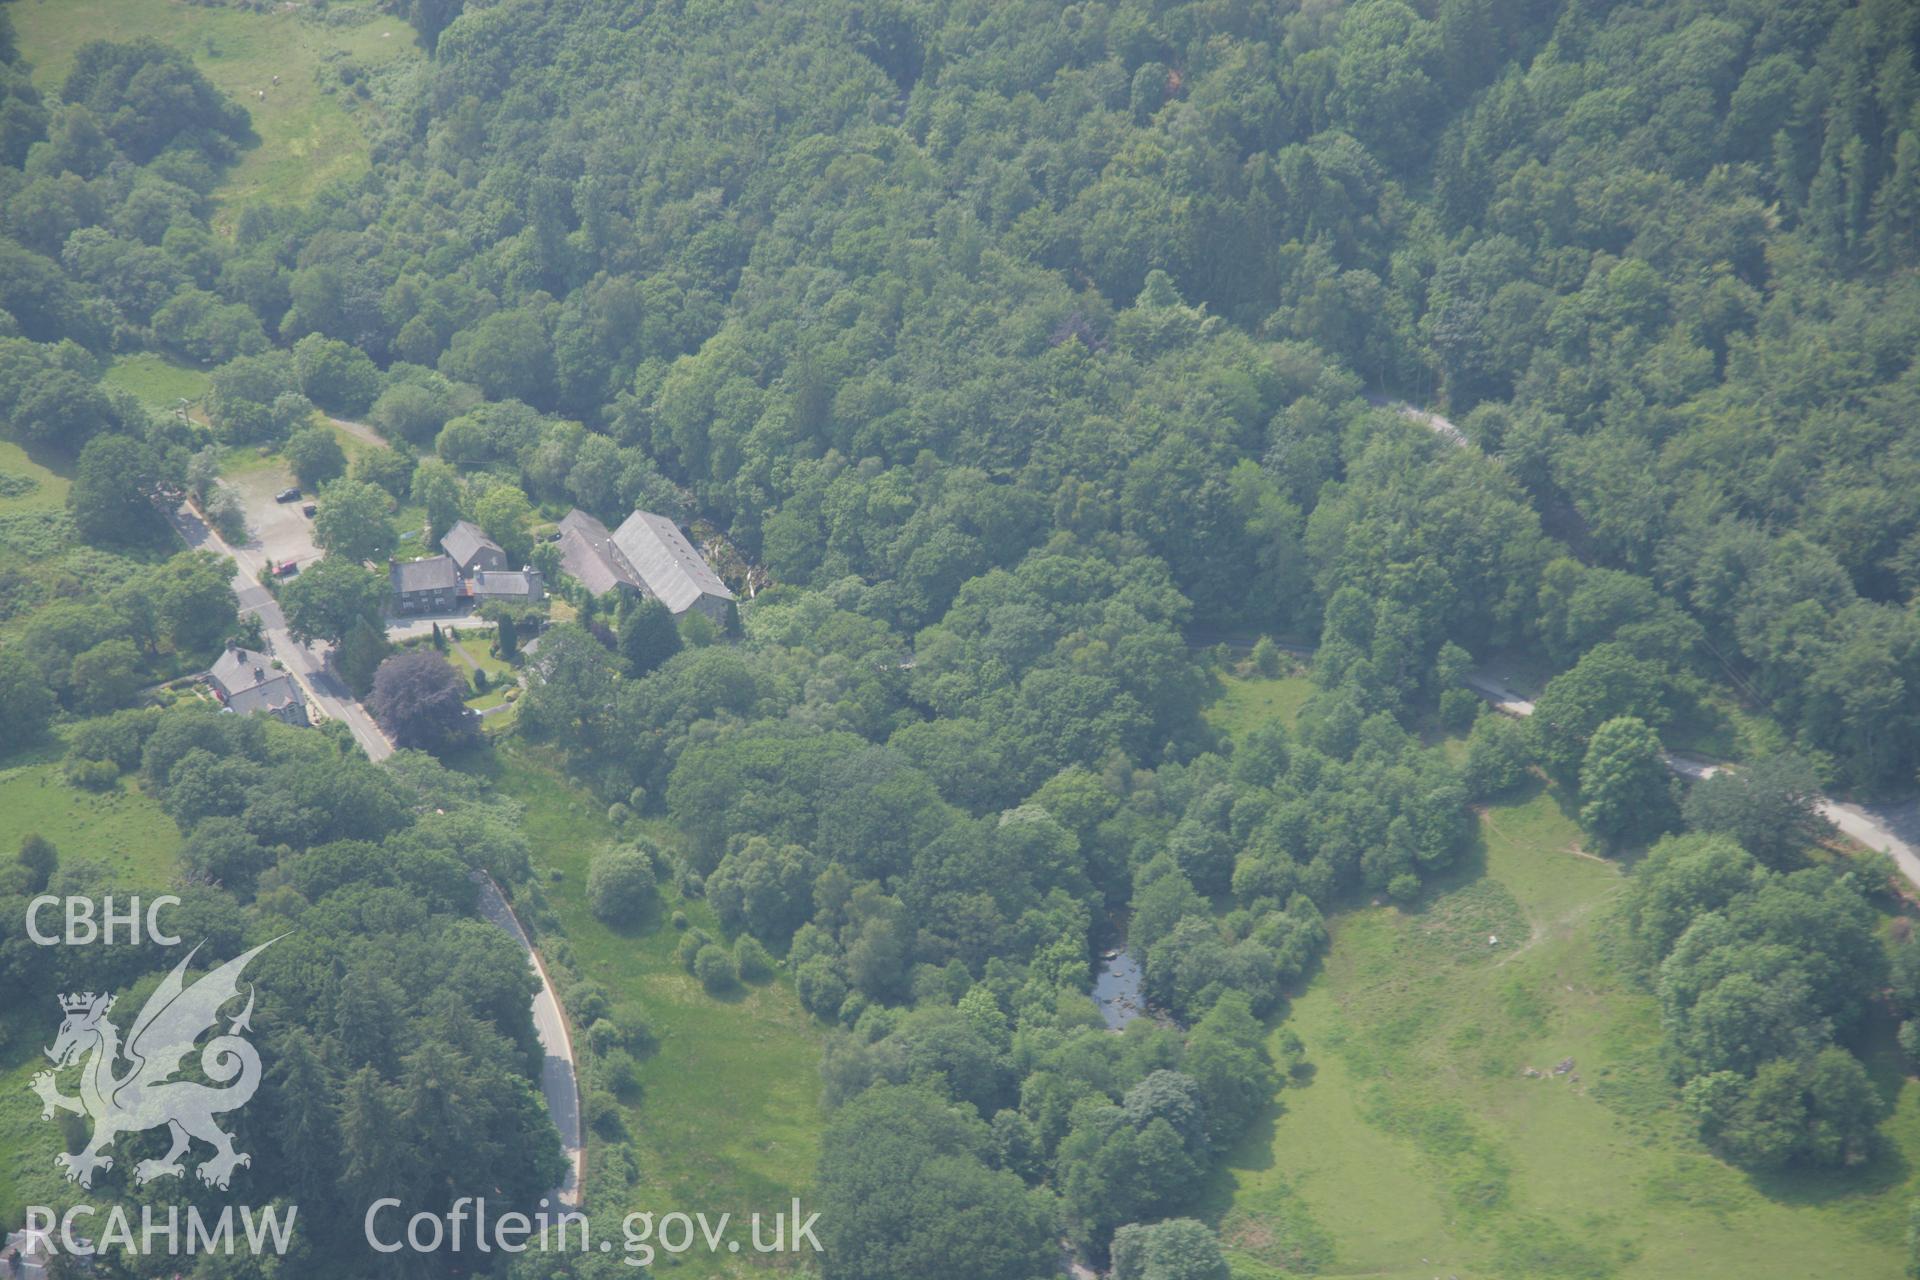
[[286, 569]]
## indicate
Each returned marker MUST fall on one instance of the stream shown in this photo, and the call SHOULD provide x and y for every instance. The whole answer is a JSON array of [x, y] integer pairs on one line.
[[1116, 989]]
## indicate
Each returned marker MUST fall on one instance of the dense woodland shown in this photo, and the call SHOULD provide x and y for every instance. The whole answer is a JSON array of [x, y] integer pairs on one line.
[[1024, 347], [395, 1023]]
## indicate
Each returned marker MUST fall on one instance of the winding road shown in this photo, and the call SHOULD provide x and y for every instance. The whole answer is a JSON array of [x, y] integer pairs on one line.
[[1892, 829], [1431, 421], [282, 534], [559, 1081]]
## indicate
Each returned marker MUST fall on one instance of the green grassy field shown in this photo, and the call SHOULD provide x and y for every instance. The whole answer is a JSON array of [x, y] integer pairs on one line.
[[158, 382], [33, 523], [308, 136], [31, 487], [122, 829], [1420, 1147], [727, 1117], [126, 832], [1245, 702]]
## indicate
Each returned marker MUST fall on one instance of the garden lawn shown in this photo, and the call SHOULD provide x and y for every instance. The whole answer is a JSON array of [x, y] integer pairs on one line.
[[468, 651], [727, 1118]]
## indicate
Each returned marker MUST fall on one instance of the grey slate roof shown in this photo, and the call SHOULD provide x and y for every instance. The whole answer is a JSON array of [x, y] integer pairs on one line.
[[578, 519], [275, 696], [666, 562], [516, 584], [587, 553], [465, 541], [435, 573], [647, 553], [247, 681], [236, 669]]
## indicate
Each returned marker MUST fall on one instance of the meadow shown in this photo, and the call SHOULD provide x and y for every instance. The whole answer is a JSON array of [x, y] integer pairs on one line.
[[1246, 701], [34, 527], [727, 1115], [122, 829], [1420, 1146], [27, 485], [309, 122], [158, 382]]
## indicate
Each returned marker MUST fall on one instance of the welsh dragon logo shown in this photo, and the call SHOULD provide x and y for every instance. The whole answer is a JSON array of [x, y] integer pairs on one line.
[[144, 1096]]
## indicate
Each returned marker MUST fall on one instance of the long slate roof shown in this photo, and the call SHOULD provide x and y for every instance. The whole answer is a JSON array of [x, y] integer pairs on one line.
[[505, 582], [647, 552], [666, 562], [434, 573], [587, 553], [465, 541]]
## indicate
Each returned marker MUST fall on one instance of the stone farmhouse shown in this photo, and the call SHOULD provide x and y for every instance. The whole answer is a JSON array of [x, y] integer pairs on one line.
[[471, 568], [428, 585]]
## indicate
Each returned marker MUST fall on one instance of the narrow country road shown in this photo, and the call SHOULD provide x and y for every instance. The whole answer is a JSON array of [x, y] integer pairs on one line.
[[1890, 829], [1893, 829], [287, 538], [328, 696], [559, 1080], [1431, 421], [324, 691]]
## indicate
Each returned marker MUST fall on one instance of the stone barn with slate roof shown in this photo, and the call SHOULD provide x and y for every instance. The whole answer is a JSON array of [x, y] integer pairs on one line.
[[472, 549], [647, 554], [511, 586]]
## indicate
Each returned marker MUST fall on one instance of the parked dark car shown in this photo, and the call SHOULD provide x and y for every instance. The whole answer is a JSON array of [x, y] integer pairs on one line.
[[286, 569], [308, 509], [287, 495]]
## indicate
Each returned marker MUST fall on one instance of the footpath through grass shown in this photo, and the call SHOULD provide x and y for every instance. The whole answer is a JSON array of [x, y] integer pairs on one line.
[[727, 1117], [1421, 1147], [308, 124]]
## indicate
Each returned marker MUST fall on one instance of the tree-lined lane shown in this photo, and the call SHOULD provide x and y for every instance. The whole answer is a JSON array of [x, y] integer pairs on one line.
[[323, 690], [1892, 829]]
